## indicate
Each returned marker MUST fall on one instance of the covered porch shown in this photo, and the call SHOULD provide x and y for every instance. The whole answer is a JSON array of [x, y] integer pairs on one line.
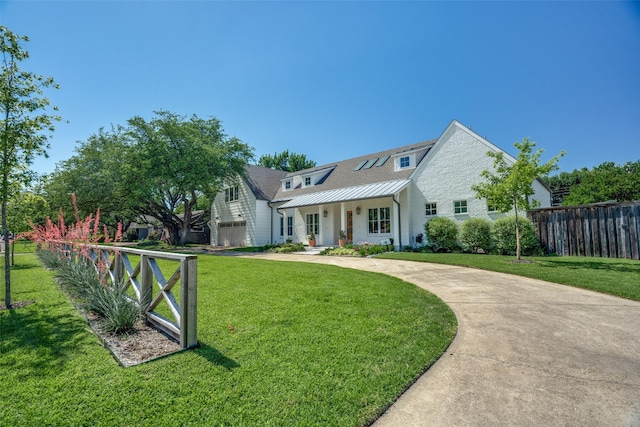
[[367, 214]]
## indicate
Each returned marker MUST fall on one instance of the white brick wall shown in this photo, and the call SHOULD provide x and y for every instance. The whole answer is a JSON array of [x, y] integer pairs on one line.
[[452, 167]]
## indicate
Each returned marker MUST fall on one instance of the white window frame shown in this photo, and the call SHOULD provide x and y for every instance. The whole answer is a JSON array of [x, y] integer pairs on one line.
[[460, 207], [430, 209], [307, 181], [231, 194], [401, 162], [379, 220], [313, 223], [289, 226]]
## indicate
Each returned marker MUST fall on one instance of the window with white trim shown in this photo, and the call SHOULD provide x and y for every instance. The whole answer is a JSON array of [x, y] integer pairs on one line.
[[405, 162], [307, 181], [289, 226], [430, 209], [281, 226], [231, 194], [379, 221], [313, 223], [287, 185], [460, 207]]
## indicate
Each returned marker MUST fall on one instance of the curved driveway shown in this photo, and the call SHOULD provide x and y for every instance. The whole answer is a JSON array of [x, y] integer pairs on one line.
[[527, 352]]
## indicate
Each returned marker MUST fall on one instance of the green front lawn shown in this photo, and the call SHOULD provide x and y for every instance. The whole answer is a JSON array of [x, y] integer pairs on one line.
[[282, 343], [619, 277]]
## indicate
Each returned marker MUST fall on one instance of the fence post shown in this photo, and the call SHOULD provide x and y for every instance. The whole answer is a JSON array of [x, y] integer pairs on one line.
[[188, 301], [146, 281], [118, 267]]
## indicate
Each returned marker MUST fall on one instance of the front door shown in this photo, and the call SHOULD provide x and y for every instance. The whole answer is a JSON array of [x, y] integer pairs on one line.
[[350, 226]]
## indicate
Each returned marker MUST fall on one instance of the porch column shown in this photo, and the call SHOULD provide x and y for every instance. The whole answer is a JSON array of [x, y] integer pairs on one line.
[[396, 226], [320, 235], [343, 217]]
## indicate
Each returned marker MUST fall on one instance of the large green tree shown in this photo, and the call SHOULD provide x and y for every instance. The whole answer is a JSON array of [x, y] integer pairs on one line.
[[510, 185], [286, 161], [606, 182], [175, 161], [93, 174], [25, 126], [164, 168]]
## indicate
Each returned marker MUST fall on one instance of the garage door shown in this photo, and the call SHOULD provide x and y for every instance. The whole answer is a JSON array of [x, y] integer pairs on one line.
[[232, 233]]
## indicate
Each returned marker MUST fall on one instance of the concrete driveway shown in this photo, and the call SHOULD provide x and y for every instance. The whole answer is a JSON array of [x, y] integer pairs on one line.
[[527, 352]]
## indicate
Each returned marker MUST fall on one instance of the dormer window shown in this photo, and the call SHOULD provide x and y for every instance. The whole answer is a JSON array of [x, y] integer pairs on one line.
[[287, 185], [405, 161], [307, 181]]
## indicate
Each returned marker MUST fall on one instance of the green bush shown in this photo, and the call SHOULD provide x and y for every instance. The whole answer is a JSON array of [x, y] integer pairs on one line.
[[504, 235], [285, 248], [475, 235], [442, 234]]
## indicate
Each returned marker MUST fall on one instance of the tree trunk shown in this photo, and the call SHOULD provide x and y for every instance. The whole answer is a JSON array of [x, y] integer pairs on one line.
[[517, 234], [7, 259], [186, 222]]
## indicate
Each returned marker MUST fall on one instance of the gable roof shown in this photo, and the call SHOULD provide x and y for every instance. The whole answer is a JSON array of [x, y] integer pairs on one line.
[[263, 182], [360, 175]]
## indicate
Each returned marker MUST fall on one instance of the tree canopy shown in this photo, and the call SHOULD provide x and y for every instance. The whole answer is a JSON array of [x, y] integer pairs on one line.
[[164, 167], [602, 183], [510, 185], [285, 161], [25, 126]]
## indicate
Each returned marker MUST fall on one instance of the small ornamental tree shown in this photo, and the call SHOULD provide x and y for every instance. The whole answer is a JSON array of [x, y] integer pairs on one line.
[[504, 235], [509, 186], [442, 234], [25, 126]]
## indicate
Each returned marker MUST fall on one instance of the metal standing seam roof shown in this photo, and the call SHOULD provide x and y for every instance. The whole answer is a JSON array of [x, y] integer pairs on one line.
[[360, 192]]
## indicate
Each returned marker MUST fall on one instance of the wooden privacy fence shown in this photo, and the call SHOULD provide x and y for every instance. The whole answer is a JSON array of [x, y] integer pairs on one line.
[[599, 230], [141, 278]]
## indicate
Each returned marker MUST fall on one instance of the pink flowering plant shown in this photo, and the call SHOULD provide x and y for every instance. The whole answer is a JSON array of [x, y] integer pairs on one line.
[[68, 249]]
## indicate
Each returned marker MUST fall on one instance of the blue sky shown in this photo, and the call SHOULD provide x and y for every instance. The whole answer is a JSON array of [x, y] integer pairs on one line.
[[334, 80]]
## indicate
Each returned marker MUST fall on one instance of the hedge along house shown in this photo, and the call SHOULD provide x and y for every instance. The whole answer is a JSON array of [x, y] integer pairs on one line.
[[377, 198]]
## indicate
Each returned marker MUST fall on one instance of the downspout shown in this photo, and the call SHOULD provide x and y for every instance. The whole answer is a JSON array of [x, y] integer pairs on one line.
[[399, 223]]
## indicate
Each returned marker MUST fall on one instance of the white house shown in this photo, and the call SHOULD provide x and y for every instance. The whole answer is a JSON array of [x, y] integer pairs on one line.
[[374, 198]]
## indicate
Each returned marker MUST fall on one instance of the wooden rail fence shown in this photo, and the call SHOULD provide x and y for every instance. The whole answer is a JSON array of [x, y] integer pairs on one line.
[[141, 278], [599, 230]]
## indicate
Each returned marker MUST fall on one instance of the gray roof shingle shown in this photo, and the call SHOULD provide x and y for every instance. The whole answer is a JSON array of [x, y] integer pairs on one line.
[[343, 174]]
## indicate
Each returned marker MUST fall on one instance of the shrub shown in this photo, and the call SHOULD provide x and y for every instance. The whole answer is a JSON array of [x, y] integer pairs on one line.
[[475, 235], [367, 249], [285, 248], [504, 235], [442, 234]]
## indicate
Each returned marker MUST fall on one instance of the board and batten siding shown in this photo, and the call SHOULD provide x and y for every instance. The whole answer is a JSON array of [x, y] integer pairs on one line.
[[244, 209]]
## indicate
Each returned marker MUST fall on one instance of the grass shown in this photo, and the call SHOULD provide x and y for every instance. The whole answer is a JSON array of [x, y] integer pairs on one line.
[[281, 344], [619, 277]]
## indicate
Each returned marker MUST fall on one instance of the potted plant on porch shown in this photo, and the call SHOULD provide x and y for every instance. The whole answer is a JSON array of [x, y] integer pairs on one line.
[[312, 240], [343, 238]]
